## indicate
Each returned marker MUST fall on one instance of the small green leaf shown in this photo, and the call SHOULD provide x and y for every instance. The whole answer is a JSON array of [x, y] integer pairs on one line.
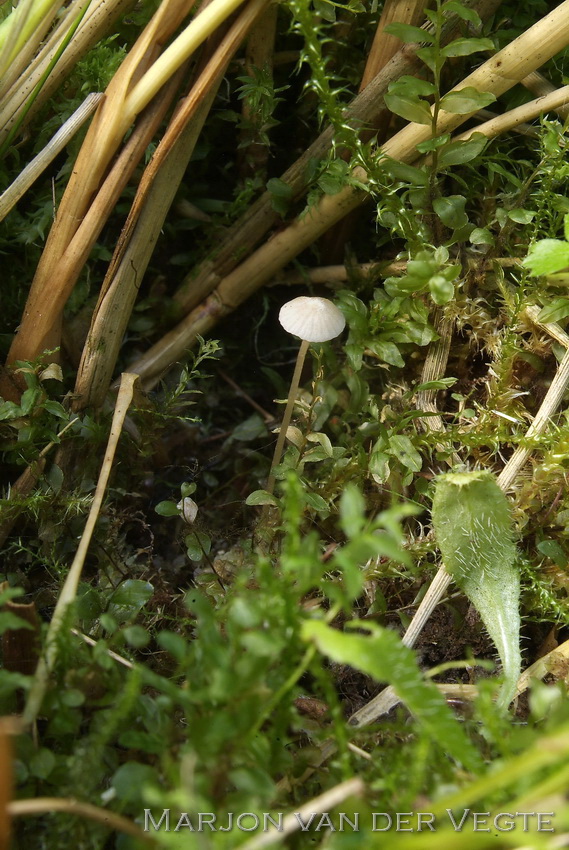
[[197, 544], [281, 195], [481, 236], [279, 188], [386, 351], [547, 257], [260, 497], [167, 508], [411, 108], [352, 511], [128, 599], [323, 439], [56, 409], [554, 311], [433, 144], [458, 153], [441, 289], [466, 100], [130, 780], [250, 429], [441, 384], [450, 210], [406, 173], [431, 56], [313, 500], [409, 34], [412, 86], [466, 46], [326, 10], [521, 216], [464, 12], [136, 636], [551, 549], [42, 763], [405, 452], [173, 643]]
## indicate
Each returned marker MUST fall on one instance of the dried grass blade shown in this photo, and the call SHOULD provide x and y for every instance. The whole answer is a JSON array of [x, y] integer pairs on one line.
[[69, 589], [32, 171]]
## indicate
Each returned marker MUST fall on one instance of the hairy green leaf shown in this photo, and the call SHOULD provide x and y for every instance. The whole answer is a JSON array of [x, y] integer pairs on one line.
[[474, 531]]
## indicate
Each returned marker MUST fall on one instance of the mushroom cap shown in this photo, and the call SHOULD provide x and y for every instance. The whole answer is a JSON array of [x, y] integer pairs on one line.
[[312, 319]]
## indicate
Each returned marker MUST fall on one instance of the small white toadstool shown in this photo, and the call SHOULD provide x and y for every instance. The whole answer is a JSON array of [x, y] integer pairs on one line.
[[313, 320]]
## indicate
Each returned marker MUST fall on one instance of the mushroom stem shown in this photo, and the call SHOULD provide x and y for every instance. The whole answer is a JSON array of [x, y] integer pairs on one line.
[[288, 412]]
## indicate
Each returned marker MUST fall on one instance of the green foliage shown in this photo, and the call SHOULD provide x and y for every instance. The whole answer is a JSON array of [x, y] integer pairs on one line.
[[473, 526], [381, 655], [230, 637]]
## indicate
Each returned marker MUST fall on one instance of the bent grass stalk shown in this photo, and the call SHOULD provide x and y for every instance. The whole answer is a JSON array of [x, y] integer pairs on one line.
[[69, 589]]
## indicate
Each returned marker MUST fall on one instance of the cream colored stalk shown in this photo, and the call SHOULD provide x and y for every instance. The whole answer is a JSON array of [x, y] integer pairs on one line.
[[498, 74], [127, 94], [69, 589], [70, 806], [514, 117], [31, 172]]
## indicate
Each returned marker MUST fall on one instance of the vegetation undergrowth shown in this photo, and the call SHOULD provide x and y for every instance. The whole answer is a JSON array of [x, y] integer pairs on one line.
[[215, 675]]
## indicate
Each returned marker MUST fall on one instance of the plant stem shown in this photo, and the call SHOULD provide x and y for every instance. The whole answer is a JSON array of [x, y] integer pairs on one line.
[[288, 412], [69, 589]]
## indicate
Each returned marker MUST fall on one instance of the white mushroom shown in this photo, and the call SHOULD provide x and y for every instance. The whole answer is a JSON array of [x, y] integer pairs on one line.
[[313, 320]]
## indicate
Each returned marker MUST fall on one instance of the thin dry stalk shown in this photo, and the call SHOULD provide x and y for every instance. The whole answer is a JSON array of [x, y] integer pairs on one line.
[[109, 819], [434, 368], [318, 805], [385, 46], [150, 206], [555, 662], [69, 589], [539, 85], [28, 23], [551, 402], [498, 74], [32, 171], [52, 285], [512, 119]]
